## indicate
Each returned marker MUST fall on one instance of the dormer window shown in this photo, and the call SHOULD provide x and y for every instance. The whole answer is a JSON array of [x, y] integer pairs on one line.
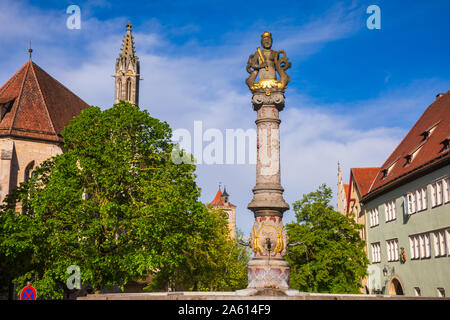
[[428, 132], [5, 107], [386, 171], [445, 144], [408, 159]]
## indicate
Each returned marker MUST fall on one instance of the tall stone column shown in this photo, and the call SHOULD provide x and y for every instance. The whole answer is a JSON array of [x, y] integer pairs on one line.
[[268, 238]]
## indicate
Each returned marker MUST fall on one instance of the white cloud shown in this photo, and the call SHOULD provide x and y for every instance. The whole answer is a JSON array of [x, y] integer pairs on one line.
[[181, 87]]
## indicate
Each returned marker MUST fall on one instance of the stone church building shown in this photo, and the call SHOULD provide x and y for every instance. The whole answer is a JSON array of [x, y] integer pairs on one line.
[[35, 108]]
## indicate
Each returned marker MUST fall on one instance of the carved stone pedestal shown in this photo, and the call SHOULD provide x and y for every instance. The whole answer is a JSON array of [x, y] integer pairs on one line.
[[274, 274], [268, 239]]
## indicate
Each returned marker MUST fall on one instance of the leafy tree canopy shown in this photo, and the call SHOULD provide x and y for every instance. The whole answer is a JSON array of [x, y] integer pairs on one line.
[[218, 264], [331, 255], [114, 204]]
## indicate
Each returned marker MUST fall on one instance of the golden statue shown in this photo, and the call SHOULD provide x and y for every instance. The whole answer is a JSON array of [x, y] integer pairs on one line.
[[265, 64]]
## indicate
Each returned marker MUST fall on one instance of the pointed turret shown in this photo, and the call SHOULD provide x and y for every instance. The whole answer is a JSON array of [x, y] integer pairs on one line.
[[342, 193], [128, 48], [127, 71], [221, 201]]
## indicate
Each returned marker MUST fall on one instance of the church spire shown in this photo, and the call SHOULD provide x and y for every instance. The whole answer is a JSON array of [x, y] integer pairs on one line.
[[342, 193], [128, 48], [127, 71]]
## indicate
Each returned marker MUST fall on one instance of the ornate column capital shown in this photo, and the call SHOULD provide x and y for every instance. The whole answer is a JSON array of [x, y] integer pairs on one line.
[[268, 98]]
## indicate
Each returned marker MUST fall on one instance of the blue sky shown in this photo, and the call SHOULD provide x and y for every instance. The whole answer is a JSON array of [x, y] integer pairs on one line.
[[354, 92]]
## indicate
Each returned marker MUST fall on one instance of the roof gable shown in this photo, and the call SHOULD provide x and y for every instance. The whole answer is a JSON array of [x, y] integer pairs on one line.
[[217, 201], [362, 178], [418, 148], [42, 106]]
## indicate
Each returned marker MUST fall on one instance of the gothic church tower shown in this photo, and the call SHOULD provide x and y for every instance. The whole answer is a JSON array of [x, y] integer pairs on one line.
[[342, 193], [127, 71]]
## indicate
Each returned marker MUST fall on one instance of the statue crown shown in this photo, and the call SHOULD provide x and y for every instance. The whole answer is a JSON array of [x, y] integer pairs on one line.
[[266, 34]]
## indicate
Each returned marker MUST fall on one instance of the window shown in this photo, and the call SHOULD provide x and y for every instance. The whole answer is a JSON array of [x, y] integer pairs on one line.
[[416, 200], [441, 292], [428, 132], [417, 291], [445, 144], [408, 159], [390, 210], [119, 91], [412, 248], [420, 247], [374, 218], [433, 194], [424, 198], [5, 108], [29, 173], [128, 89], [376, 252], [427, 245], [440, 192], [440, 246], [392, 250], [448, 241], [446, 187]]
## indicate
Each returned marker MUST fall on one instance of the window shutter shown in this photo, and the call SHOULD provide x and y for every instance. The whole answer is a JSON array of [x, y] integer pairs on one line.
[[424, 198], [436, 244], [405, 205]]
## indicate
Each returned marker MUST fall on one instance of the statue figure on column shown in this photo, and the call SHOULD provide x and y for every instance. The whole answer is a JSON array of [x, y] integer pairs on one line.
[[269, 240], [267, 63]]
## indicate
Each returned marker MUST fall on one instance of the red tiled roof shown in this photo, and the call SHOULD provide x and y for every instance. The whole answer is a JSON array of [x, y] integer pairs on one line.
[[217, 201], [437, 115], [363, 178], [346, 190], [41, 107]]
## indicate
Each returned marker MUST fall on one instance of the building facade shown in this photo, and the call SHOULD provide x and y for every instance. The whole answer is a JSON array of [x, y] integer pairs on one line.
[[359, 184], [34, 110], [408, 211]]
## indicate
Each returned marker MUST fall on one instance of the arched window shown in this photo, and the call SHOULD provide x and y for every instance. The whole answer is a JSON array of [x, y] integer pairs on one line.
[[28, 174], [29, 171], [128, 89], [119, 91]]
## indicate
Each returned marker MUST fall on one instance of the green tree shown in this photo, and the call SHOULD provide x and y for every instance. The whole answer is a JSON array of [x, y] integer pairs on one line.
[[331, 255], [115, 204], [218, 263]]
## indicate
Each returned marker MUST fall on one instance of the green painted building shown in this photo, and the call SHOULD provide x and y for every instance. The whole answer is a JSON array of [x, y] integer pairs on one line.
[[407, 211]]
